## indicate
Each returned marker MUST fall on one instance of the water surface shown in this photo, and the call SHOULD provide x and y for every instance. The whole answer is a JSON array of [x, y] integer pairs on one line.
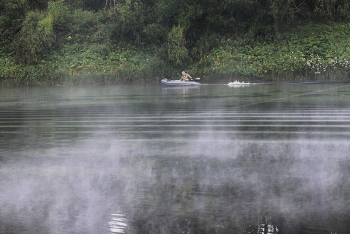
[[153, 159]]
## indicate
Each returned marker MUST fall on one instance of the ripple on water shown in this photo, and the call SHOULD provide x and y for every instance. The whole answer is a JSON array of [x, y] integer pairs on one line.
[[118, 223]]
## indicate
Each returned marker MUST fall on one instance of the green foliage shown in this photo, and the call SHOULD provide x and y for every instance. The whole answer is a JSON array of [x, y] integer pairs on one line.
[[85, 4], [129, 22], [12, 14], [89, 41], [316, 51], [177, 51], [282, 12], [331, 53], [331, 8], [37, 4], [153, 34], [60, 13], [89, 27], [83, 21], [43, 73], [36, 35]]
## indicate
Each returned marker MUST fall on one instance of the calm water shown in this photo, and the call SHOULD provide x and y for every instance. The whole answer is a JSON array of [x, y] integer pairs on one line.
[[212, 159]]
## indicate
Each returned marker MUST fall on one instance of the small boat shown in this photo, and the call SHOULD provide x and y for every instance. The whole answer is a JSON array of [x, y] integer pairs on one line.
[[194, 82]]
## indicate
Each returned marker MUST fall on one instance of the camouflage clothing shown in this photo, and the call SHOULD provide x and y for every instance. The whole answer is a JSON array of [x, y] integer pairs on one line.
[[186, 77]]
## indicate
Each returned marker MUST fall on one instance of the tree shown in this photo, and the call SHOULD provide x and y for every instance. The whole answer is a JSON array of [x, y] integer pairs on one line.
[[110, 4], [38, 4], [176, 49], [60, 14], [12, 14], [93, 5], [36, 34], [282, 12]]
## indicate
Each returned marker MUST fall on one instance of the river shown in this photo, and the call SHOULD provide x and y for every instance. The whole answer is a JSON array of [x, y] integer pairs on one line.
[[262, 158]]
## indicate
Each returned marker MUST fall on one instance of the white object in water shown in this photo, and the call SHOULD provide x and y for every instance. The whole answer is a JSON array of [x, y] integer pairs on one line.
[[237, 83]]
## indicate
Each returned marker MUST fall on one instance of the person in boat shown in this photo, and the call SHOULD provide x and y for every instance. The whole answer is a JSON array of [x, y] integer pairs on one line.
[[185, 76]]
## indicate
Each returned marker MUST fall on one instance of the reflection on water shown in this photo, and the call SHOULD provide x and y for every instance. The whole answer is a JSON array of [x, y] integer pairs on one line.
[[118, 223], [214, 159]]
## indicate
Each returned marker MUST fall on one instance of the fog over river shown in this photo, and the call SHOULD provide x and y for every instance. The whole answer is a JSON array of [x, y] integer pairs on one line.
[[131, 159]]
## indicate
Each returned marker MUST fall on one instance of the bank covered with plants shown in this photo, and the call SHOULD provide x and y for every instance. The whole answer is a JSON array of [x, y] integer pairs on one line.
[[107, 41]]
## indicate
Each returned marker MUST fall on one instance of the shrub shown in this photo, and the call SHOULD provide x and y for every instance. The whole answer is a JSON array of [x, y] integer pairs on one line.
[[36, 35], [60, 14]]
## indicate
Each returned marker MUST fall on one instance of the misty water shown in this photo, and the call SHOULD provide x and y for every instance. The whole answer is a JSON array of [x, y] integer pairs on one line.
[[152, 159]]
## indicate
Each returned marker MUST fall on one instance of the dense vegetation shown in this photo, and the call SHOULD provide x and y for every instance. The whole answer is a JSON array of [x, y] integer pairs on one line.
[[108, 41]]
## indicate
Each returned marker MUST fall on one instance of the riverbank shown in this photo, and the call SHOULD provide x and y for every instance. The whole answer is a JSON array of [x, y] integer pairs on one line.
[[309, 52]]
